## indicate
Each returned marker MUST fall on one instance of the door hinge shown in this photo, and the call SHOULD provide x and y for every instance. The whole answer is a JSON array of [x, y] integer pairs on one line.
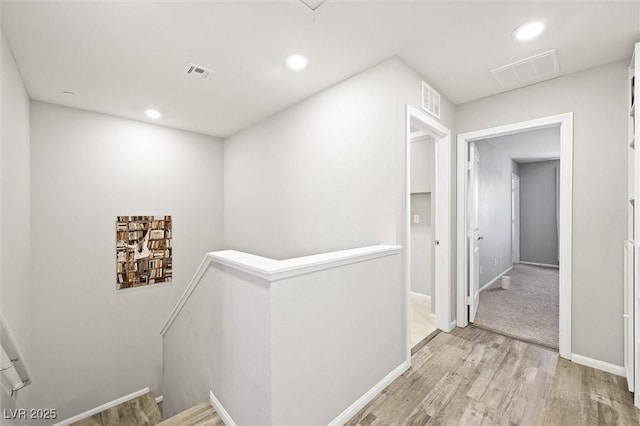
[[469, 165], [469, 300]]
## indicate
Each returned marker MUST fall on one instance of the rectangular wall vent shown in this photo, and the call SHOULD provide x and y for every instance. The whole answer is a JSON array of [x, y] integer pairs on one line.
[[198, 71], [313, 4], [430, 100], [529, 70]]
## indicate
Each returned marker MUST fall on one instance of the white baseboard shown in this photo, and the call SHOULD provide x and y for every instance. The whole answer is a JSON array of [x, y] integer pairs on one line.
[[102, 407], [421, 296], [159, 399], [453, 324], [618, 370], [496, 278], [224, 415], [371, 393], [546, 265]]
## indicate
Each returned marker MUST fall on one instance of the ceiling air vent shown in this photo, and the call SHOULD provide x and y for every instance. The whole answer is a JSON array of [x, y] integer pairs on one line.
[[529, 70], [430, 100], [313, 4], [198, 71]]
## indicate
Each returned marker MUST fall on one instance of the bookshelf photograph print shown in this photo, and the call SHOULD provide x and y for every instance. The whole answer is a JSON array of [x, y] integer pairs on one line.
[[143, 250]]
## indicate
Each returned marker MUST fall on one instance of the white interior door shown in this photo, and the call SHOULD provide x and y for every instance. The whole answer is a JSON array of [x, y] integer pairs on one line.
[[474, 233], [515, 218]]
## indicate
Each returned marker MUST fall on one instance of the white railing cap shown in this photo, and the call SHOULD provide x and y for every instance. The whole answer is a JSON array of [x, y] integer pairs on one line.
[[272, 270]]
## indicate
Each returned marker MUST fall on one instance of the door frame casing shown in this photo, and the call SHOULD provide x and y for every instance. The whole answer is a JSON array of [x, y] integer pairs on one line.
[[473, 238], [565, 122], [442, 229]]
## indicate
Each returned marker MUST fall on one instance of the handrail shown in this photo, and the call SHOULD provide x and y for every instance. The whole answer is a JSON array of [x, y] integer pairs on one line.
[[273, 270], [187, 293], [16, 362]]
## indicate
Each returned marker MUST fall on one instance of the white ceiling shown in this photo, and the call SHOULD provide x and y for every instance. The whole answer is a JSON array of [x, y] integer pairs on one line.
[[530, 146], [124, 57]]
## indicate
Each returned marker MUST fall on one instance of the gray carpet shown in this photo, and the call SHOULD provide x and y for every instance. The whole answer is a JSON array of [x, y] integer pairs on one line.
[[528, 310]]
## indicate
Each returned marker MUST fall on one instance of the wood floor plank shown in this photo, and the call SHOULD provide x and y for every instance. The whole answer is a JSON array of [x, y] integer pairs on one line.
[[492, 361], [198, 415], [140, 411], [442, 393], [476, 377]]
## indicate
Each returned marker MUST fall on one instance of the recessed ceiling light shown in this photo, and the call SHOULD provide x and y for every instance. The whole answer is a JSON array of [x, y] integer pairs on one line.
[[152, 113], [529, 30], [297, 62], [70, 94]]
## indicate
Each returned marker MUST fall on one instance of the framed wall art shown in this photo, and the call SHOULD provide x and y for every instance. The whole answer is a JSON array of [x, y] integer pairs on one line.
[[144, 246]]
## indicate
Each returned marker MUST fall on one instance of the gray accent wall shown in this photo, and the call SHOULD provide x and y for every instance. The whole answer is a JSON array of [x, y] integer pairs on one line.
[[538, 223], [597, 98], [494, 211]]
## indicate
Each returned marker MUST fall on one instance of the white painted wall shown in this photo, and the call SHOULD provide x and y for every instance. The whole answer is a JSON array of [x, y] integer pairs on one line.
[[318, 177], [494, 211], [91, 343], [422, 243], [597, 97], [15, 212], [422, 166], [335, 335], [422, 240], [325, 174], [328, 173], [221, 342]]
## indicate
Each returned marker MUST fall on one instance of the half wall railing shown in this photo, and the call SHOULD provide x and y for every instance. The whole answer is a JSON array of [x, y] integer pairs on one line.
[[13, 369]]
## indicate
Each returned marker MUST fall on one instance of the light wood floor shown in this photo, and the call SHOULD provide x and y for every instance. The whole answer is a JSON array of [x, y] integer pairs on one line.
[[198, 415], [142, 411], [476, 377]]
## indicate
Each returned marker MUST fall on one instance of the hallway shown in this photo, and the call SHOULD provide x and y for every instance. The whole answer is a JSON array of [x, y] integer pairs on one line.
[[528, 310], [473, 376]]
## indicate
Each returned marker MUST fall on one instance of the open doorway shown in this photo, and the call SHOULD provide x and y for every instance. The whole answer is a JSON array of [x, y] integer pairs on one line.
[[422, 201], [514, 188], [515, 182], [427, 228]]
